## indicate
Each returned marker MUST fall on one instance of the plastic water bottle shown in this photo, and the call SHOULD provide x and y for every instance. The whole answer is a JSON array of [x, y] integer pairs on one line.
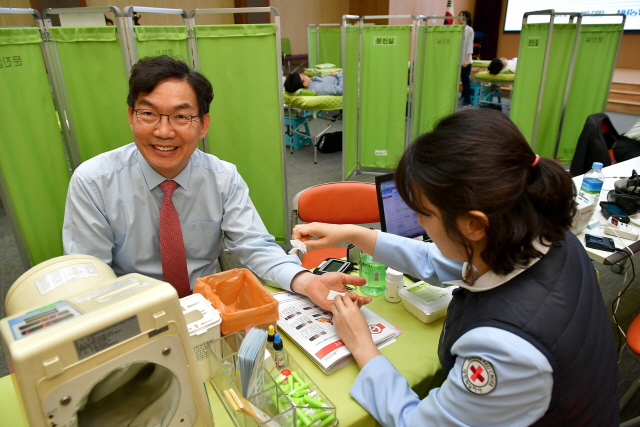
[[592, 184]]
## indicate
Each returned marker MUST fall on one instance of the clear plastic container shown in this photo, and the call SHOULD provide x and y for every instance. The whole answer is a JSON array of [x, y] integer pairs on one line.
[[375, 274], [427, 302], [273, 401]]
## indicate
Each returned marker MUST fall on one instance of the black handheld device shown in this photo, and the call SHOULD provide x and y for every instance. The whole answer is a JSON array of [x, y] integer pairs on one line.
[[599, 242], [330, 265], [610, 209]]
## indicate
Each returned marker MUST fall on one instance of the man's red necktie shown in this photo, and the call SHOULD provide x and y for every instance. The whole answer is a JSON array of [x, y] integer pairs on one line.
[[174, 260]]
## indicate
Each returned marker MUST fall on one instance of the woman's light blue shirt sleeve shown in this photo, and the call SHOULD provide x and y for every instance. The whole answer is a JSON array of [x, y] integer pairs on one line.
[[417, 258], [524, 381]]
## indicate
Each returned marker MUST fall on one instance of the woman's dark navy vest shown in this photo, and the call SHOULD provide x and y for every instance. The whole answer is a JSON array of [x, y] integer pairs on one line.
[[556, 305]]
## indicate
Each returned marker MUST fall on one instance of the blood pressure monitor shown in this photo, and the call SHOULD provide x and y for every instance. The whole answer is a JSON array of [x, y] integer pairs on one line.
[[331, 265]]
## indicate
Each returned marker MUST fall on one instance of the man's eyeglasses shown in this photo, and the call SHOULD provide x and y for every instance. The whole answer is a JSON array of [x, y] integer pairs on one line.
[[151, 118]]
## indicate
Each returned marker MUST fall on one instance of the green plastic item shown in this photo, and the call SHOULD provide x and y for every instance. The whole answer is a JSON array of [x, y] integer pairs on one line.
[[96, 85], [533, 41], [383, 94], [32, 157], [161, 40], [245, 112], [436, 83], [590, 82]]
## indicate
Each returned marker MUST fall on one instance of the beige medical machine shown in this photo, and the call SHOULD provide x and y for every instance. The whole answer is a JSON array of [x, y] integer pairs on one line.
[[87, 348]]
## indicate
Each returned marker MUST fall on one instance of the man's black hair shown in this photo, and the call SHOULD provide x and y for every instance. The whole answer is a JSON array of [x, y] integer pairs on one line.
[[149, 71], [293, 83], [496, 66]]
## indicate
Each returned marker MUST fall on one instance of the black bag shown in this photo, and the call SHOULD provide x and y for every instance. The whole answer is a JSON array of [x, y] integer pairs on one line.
[[330, 142]]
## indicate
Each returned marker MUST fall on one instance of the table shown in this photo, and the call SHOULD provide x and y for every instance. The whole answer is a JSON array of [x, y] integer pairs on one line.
[[612, 173], [414, 355]]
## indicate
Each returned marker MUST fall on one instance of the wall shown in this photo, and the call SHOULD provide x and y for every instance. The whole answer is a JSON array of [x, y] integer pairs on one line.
[[629, 56], [296, 15], [17, 20], [426, 7], [158, 19]]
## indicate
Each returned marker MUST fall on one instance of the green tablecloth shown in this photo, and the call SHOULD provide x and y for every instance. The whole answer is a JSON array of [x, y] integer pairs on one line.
[[414, 355]]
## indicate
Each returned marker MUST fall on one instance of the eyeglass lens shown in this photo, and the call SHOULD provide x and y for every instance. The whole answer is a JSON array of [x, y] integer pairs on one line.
[[151, 118]]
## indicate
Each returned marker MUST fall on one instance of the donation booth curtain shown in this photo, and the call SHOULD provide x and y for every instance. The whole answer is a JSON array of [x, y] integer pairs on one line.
[[330, 46], [161, 40], [533, 41], [589, 83], [383, 94], [32, 158], [350, 103], [96, 86], [436, 82], [241, 63], [313, 46]]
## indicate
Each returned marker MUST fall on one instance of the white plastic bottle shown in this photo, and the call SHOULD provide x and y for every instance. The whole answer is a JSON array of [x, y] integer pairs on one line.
[[592, 185], [394, 281]]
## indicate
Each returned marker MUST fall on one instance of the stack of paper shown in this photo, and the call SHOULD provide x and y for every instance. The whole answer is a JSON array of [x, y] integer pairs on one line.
[[251, 362]]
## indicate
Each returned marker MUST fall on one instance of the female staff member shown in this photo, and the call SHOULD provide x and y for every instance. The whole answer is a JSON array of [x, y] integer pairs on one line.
[[527, 339], [465, 72]]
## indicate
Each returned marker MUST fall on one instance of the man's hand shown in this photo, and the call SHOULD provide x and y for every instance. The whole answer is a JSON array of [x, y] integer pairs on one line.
[[333, 73], [353, 330], [317, 287]]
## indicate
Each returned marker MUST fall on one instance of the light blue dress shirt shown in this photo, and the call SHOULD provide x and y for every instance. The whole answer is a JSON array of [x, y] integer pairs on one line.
[[113, 211], [524, 377], [327, 85]]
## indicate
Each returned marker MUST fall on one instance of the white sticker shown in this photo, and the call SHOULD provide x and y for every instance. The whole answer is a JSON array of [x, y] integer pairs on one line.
[[298, 245], [107, 337], [381, 152], [124, 292], [333, 294], [105, 290], [63, 276]]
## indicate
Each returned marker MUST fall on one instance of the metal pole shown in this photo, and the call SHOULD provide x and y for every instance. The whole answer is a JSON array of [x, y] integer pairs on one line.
[[412, 73], [360, 23]]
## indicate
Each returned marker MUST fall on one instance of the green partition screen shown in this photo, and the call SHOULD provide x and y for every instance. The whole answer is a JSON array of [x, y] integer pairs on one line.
[[241, 63], [350, 103], [161, 40], [32, 158], [589, 83], [96, 85], [533, 41], [383, 94], [436, 83], [313, 46]]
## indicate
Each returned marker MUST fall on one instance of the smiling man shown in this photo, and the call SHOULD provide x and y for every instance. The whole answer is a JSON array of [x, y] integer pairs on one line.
[[159, 206]]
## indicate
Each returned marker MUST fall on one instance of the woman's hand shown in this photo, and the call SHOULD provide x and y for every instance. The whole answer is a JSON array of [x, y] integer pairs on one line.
[[353, 329], [329, 235]]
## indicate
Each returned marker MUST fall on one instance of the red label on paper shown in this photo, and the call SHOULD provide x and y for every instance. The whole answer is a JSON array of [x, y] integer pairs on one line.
[[329, 348]]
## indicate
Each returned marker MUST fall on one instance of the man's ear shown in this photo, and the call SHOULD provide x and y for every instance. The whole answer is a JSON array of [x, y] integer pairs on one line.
[[474, 225], [205, 125], [130, 109]]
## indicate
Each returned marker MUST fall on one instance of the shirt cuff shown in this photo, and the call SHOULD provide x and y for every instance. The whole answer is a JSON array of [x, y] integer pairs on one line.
[[374, 368], [286, 274]]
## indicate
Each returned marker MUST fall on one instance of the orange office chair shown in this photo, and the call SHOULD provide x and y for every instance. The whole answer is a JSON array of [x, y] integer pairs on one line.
[[335, 203], [633, 341]]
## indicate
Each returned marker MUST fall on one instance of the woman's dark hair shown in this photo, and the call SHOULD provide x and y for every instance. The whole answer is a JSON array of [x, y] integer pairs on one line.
[[293, 83], [149, 71], [467, 15], [495, 66], [479, 160]]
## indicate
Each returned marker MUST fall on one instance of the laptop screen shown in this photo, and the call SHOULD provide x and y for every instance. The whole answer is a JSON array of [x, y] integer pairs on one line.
[[395, 216]]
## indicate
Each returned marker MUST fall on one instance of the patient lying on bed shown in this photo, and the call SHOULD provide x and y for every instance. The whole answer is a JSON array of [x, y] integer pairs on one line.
[[330, 84], [503, 65]]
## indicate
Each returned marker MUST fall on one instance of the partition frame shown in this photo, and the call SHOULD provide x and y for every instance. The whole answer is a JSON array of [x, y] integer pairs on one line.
[[413, 49], [21, 245], [343, 59], [196, 64], [53, 57], [131, 35], [460, 56]]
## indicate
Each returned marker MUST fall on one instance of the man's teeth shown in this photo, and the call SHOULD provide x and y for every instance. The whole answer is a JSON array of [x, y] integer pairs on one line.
[[165, 148]]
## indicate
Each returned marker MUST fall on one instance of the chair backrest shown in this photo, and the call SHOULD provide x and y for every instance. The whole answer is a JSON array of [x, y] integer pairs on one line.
[[286, 47], [338, 203]]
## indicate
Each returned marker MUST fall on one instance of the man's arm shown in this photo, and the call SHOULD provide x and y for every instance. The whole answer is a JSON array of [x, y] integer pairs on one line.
[[86, 229]]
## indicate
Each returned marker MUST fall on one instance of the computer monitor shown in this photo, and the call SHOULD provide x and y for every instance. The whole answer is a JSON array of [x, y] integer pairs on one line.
[[395, 216]]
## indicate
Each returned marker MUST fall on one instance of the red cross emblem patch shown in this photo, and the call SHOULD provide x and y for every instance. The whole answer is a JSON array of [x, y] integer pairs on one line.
[[478, 375]]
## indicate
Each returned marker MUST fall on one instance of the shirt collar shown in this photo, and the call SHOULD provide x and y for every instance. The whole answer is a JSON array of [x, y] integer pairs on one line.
[[491, 280], [153, 178]]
